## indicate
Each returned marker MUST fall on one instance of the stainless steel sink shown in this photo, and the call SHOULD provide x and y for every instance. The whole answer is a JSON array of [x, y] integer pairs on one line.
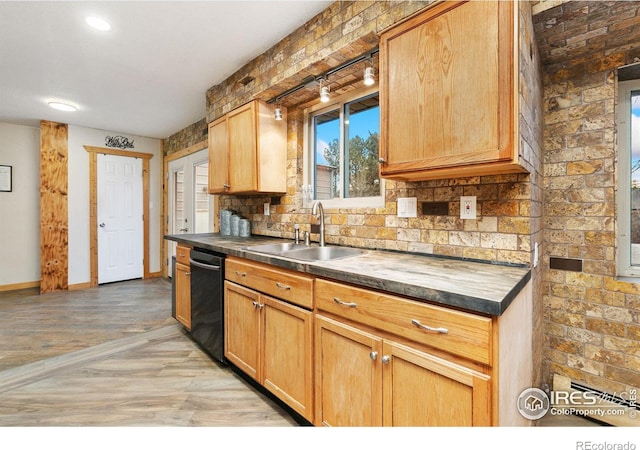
[[322, 253], [276, 249], [304, 252]]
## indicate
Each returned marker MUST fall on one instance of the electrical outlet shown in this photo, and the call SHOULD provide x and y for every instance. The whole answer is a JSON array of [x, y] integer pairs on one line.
[[408, 207], [468, 207], [267, 211]]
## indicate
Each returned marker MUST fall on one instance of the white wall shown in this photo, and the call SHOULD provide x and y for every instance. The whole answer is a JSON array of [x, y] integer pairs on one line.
[[20, 209], [79, 249]]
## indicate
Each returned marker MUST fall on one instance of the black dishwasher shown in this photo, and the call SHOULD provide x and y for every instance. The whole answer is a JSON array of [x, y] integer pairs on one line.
[[207, 305]]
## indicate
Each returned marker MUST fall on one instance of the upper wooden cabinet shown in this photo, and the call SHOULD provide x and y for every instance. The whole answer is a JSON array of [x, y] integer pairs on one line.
[[248, 151], [449, 94]]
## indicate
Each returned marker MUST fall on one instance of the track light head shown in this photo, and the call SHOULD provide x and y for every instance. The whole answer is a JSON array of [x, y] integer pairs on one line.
[[277, 113], [324, 92], [369, 77]]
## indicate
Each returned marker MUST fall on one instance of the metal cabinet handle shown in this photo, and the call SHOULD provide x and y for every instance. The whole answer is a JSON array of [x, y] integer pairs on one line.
[[283, 286], [373, 355], [226, 186], [386, 359], [340, 302], [381, 160], [257, 305], [102, 225], [428, 328], [183, 229], [241, 274], [187, 273]]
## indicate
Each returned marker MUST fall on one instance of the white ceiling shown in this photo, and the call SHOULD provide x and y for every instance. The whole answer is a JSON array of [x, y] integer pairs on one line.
[[148, 76]]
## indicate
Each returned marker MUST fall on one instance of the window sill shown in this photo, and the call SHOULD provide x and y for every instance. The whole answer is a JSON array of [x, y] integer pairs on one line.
[[628, 279], [350, 203]]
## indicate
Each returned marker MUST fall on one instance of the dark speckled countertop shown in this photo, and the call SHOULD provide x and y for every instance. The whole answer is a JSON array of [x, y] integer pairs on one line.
[[474, 286]]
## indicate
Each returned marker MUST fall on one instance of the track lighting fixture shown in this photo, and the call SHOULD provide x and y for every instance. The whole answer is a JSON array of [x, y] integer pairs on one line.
[[322, 79]]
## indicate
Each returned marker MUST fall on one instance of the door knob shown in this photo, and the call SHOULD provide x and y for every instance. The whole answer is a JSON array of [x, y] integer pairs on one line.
[[102, 225]]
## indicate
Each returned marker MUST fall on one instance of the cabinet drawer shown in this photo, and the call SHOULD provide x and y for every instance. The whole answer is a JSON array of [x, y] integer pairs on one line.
[[182, 254], [280, 283], [459, 333]]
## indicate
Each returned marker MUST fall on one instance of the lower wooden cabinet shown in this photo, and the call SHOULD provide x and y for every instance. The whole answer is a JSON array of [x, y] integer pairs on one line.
[[422, 389], [271, 341], [183, 294], [343, 355], [363, 379], [348, 378]]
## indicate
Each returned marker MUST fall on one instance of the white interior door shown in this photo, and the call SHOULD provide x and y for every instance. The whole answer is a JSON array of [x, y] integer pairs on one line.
[[190, 205], [120, 222]]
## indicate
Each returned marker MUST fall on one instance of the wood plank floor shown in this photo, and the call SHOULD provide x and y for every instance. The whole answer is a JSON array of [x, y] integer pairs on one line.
[[114, 356]]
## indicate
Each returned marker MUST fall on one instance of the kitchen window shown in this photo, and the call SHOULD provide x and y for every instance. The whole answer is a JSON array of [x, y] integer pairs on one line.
[[341, 158], [628, 195]]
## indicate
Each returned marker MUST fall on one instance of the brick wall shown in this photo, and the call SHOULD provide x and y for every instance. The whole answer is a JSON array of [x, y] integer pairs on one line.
[[194, 134], [592, 320], [506, 203]]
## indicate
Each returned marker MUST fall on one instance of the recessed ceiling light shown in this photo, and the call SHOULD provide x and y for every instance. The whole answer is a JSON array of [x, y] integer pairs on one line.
[[63, 106], [98, 23]]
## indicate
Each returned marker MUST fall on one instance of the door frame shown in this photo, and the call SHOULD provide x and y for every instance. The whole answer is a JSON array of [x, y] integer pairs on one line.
[[165, 193], [93, 205]]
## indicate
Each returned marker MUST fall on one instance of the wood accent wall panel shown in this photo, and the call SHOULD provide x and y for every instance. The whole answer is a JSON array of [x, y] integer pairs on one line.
[[54, 218]]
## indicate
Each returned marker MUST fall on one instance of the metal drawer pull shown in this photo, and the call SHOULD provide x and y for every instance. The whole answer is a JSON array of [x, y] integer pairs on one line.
[[241, 274], [204, 266], [340, 302], [386, 359], [257, 305], [425, 327], [187, 273], [283, 286], [373, 355]]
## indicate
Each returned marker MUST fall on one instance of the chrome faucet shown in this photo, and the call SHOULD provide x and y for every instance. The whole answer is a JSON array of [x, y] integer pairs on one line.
[[317, 205]]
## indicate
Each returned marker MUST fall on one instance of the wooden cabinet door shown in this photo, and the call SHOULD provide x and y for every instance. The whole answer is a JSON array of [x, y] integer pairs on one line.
[[348, 375], [423, 390], [241, 129], [218, 157], [287, 346], [243, 328], [183, 294], [447, 88]]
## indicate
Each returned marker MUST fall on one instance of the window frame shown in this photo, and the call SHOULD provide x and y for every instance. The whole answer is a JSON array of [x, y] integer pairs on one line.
[[623, 170], [309, 159]]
